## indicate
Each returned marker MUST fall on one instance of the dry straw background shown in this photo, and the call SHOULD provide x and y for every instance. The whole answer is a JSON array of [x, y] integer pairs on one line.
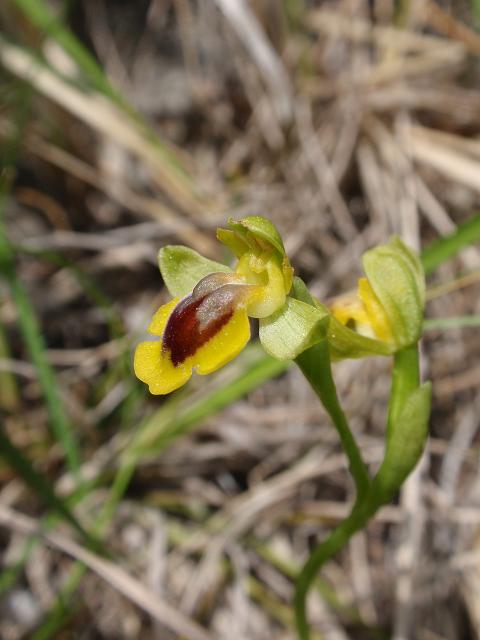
[[344, 122]]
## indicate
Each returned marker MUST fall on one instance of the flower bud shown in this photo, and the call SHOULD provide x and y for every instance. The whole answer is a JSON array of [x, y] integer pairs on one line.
[[397, 292], [386, 313]]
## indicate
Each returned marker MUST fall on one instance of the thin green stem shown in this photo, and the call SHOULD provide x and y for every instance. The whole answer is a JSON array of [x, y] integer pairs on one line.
[[315, 366], [337, 539]]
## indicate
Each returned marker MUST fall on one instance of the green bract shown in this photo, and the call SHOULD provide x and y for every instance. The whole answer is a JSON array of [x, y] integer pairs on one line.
[[344, 342], [405, 443], [293, 329]]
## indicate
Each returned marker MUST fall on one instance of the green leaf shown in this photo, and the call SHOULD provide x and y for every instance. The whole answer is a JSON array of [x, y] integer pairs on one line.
[[293, 329], [446, 247], [259, 229], [396, 276], [405, 443], [182, 268]]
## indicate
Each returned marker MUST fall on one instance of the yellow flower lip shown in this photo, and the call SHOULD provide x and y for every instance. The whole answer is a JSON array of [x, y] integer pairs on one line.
[[200, 332], [207, 325], [201, 315]]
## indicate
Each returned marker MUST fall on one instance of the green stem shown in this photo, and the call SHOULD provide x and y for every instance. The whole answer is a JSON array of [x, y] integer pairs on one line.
[[315, 366], [337, 539]]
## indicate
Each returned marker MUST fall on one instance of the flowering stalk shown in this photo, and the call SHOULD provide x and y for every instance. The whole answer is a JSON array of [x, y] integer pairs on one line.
[[400, 458], [206, 324], [388, 311]]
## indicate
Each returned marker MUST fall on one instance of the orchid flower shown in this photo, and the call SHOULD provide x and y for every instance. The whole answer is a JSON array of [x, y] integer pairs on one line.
[[206, 324]]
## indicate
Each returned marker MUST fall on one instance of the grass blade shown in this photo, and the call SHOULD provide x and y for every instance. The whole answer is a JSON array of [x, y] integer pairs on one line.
[[176, 418], [447, 247], [9, 395], [38, 483], [36, 348], [28, 322], [160, 156], [455, 322]]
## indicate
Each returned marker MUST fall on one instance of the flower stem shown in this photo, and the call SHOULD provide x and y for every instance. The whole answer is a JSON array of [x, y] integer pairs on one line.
[[315, 365], [338, 538]]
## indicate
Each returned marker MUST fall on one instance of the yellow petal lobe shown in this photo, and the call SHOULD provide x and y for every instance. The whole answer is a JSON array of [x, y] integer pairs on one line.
[[161, 316], [224, 345], [155, 368]]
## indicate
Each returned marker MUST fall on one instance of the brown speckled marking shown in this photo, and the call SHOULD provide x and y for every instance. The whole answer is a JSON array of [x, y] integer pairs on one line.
[[183, 337]]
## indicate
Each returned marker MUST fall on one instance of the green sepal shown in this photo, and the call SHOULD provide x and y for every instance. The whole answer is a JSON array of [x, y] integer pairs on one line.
[[396, 276], [258, 232], [300, 292], [343, 342], [346, 343], [405, 443], [233, 241], [297, 326], [182, 268]]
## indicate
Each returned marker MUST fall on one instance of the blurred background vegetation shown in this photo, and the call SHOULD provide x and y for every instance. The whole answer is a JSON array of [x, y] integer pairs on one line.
[[129, 124]]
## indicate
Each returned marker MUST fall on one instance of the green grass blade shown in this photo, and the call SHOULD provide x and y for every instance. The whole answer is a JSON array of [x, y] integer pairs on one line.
[[63, 608], [38, 483], [9, 395], [455, 322], [476, 11], [28, 322], [447, 247], [176, 417], [41, 15], [11, 572], [36, 348]]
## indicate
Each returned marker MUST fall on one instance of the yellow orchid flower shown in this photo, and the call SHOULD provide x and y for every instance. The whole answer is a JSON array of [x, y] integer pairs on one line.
[[362, 311], [206, 328], [388, 307]]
